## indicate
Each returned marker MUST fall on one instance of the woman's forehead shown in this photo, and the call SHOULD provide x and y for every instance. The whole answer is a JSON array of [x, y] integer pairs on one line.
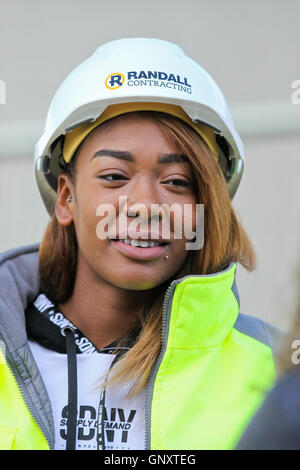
[[131, 130], [124, 121]]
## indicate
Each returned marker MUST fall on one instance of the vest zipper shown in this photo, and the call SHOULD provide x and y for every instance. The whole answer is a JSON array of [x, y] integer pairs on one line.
[[33, 413], [166, 314]]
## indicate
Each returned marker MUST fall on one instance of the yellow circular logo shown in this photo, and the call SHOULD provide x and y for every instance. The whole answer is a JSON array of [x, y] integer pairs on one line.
[[114, 81]]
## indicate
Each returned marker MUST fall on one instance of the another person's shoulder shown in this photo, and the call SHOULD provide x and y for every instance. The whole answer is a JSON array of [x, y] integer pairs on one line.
[[276, 425]]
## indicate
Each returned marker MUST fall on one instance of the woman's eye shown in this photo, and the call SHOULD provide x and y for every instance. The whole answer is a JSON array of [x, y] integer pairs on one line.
[[178, 182], [112, 177]]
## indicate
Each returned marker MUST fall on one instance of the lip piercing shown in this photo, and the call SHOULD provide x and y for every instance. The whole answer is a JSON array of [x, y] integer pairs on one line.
[[69, 198], [166, 257]]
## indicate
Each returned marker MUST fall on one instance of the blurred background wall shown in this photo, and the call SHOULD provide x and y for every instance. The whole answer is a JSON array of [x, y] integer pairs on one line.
[[250, 48]]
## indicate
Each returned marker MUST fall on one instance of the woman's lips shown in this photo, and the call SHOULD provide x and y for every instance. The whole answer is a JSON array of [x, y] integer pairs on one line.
[[137, 252]]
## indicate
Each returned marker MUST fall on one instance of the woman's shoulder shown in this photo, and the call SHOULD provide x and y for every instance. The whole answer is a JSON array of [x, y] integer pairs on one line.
[[20, 251], [259, 329], [256, 329], [19, 281]]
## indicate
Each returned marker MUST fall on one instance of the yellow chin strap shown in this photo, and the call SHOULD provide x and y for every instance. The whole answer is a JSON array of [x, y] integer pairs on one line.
[[74, 138]]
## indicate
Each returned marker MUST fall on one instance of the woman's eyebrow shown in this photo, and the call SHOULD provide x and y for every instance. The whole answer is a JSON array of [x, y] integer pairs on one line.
[[172, 158], [124, 155]]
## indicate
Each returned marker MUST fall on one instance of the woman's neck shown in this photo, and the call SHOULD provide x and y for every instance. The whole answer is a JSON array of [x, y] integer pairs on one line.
[[101, 311]]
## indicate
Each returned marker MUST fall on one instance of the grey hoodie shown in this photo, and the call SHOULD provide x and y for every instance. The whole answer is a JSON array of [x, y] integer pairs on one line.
[[19, 286]]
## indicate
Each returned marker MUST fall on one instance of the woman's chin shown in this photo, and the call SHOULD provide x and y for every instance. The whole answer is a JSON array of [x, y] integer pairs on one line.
[[137, 284]]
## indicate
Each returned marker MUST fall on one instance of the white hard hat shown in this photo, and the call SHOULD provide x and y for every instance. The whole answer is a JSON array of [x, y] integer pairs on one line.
[[144, 74]]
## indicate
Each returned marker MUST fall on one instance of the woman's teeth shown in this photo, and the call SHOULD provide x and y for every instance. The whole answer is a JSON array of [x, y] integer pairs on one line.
[[141, 243]]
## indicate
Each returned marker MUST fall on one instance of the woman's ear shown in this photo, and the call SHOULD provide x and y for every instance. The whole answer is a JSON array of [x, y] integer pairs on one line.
[[64, 202]]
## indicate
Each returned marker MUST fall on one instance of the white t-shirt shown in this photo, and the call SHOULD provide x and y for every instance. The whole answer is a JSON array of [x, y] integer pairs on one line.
[[124, 420]]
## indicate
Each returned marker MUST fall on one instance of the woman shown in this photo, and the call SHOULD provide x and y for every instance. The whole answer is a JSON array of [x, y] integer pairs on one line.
[[132, 337]]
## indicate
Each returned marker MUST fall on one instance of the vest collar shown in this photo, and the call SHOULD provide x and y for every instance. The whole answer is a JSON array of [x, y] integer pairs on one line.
[[200, 310]]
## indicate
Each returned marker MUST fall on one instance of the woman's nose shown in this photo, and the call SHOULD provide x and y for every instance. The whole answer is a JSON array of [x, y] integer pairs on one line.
[[143, 200]]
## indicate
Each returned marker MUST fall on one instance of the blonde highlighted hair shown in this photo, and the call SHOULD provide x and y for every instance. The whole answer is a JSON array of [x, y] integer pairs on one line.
[[225, 241]]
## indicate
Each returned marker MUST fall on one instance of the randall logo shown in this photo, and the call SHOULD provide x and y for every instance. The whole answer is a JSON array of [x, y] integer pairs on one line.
[[149, 78], [114, 81]]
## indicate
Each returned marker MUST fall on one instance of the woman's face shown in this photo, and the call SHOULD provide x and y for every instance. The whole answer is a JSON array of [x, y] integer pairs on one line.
[[130, 161]]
